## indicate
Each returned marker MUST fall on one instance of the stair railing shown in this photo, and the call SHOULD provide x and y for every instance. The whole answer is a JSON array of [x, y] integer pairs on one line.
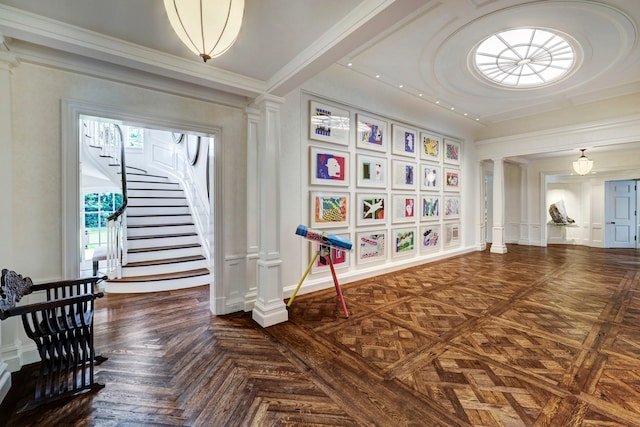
[[117, 222]]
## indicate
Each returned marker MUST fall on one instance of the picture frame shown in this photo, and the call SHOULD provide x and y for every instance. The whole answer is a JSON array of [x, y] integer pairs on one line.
[[329, 209], [372, 208], [372, 171], [340, 257], [404, 241], [404, 141], [430, 238], [452, 154], [405, 208], [430, 177], [451, 179], [371, 246], [430, 207], [451, 207], [403, 175], [430, 147], [371, 133], [329, 167], [328, 123], [452, 234]]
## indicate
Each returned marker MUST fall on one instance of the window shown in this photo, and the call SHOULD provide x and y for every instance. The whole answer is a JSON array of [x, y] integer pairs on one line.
[[97, 208], [524, 58]]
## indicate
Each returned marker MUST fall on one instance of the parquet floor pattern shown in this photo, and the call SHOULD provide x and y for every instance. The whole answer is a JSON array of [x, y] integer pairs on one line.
[[535, 337]]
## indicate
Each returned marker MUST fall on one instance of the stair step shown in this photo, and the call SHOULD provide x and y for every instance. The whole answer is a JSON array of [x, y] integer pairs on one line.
[[163, 248], [166, 261], [161, 236], [166, 276], [166, 224], [146, 175]]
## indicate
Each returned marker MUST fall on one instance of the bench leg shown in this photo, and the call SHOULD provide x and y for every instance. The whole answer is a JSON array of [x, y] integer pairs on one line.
[[95, 267]]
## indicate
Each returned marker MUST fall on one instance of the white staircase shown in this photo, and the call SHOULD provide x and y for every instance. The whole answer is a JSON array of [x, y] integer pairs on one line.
[[163, 247]]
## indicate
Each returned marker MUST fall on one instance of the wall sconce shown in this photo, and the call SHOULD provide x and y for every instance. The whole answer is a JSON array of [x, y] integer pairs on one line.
[[583, 165], [207, 27]]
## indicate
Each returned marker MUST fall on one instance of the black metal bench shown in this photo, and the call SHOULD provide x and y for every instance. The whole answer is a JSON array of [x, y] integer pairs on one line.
[[62, 328]]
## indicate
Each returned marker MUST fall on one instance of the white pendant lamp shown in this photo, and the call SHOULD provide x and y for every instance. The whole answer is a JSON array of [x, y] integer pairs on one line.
[[207, 27], [583, 165]]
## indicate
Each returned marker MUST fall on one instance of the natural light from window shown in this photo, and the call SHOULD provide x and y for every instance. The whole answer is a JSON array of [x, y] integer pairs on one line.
[[524, 57]]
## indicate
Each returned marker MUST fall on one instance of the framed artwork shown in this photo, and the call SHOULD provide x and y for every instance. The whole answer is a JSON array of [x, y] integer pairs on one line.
[[404, 141], [451, 151], [430, 238], [371, 246], [340, 257], [403, 175], [430, 147], [451, 179], [429, 207], [430, 177], [328, 123], [329, 209], [451, 207], [404, 208], [371, 133], [404, 241], [372, 209], [372, 171], [329, 167], [452, 234]]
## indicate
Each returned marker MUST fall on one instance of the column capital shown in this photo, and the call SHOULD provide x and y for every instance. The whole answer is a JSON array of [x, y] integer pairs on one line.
[[269, 99]]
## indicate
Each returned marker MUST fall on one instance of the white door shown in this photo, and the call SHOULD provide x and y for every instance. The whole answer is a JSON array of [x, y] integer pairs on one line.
[[620, 214]]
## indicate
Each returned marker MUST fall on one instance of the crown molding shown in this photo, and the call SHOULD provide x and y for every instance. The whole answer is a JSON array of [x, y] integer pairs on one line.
[[39, 30]]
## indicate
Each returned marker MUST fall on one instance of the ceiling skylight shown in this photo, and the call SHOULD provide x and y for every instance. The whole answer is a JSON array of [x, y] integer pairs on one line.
[[524, 57]]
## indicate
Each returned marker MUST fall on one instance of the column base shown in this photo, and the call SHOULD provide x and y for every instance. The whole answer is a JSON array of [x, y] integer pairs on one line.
[[498, 249], [269, 316], [5, 381]]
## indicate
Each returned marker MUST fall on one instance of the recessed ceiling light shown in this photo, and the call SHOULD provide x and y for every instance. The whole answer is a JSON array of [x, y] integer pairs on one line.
[[349, 64], [437, 102], [401, 86], [377, 76], [453, 108], [419, 94], [525, 57]]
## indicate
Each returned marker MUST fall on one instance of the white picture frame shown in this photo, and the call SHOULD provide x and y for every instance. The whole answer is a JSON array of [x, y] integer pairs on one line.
[[329, 209], [405, 208], [371, 133], [371, 246], [452, 234], [430, 177], [430, 146], [430, 207], [328, 123], [405, 141], [451, 152], [451, 206], [329, 167], [372, 208], [451, 179], [341, 258], [404, 241], [430, 238], [372, 171], [403, 175]]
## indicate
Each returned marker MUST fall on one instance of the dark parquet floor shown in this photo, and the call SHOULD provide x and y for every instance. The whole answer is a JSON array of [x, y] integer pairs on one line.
[[535, 337]]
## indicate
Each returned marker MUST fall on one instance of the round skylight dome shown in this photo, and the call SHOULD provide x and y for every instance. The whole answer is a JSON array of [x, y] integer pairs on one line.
[[525, 57]]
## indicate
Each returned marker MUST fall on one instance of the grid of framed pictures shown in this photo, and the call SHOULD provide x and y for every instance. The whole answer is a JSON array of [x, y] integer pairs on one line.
[[405, 197]]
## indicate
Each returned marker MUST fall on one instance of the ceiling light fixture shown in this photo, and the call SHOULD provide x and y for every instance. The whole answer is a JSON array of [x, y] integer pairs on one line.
[[583, 165], [207, 27]]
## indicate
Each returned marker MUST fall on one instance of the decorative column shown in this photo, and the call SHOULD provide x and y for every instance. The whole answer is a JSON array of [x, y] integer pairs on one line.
[[498, 246], [253, 199], [480, 194], [269, 308], [524, 205], [7, 62]]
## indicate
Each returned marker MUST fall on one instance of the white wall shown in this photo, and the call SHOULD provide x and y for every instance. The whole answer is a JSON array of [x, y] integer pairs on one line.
[[36, 194], [359, 97]]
